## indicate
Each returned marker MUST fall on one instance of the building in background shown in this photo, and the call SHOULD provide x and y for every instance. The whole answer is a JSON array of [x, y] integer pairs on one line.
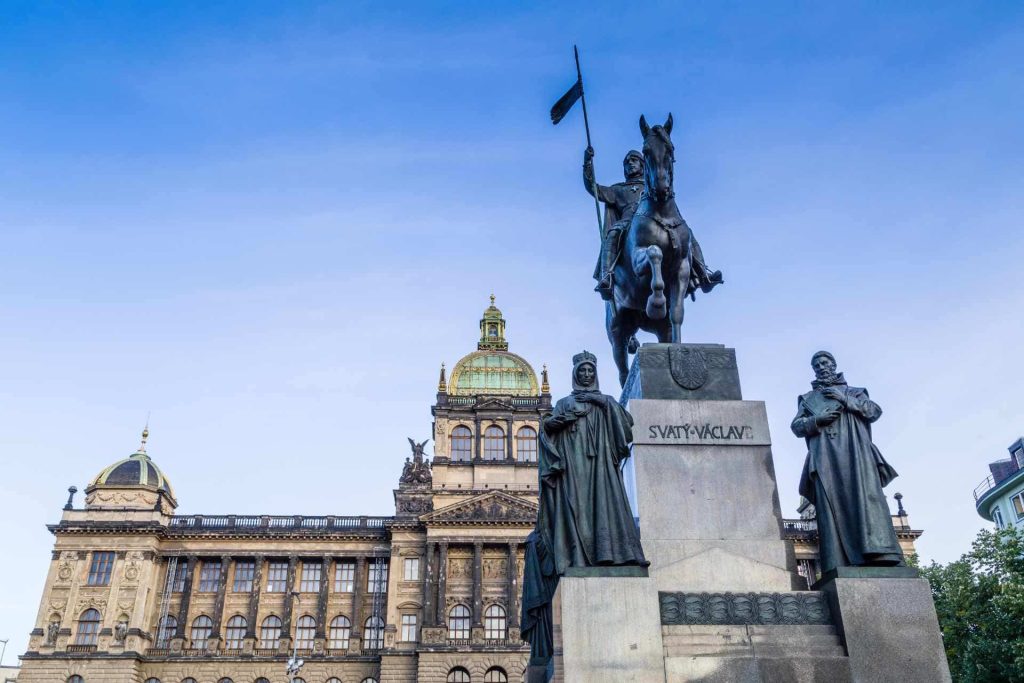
[[1000, 498], [137, 593]]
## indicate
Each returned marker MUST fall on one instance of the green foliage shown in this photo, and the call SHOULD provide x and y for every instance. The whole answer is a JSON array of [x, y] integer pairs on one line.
[[980, 603]]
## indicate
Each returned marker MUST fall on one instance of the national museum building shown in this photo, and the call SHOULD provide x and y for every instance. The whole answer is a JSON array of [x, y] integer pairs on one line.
[[138, 594]]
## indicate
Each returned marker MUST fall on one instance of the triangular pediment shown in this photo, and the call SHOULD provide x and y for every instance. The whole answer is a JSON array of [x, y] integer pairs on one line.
[[493, 507], [493, 404]]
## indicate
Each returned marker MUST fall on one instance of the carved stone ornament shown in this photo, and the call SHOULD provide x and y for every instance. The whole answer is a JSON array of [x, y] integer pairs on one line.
[[688, 366], [93, 602], [65, 571], [494, 569], [414, 506], [120, 631], [459, 568], [57, 604], [792, 608], [52, 631], [131, 571]]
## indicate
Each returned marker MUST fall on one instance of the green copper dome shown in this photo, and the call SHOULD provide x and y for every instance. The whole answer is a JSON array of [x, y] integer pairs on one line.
[[492, 369]]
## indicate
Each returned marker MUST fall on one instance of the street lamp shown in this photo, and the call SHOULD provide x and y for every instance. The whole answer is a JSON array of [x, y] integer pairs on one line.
[[294, 664]]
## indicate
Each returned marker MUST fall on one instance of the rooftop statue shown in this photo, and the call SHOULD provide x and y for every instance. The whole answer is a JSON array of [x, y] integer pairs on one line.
[[417, 470], [584, 518], [844, 472], [651, 256]]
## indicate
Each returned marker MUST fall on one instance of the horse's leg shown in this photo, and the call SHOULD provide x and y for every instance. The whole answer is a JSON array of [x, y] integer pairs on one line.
[[620, 328], [645, 258], [677, 299]]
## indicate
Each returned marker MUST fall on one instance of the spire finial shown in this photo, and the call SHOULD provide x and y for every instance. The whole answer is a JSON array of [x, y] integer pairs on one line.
[[442, 383], [544, 387], [492, 299], [145, 435]]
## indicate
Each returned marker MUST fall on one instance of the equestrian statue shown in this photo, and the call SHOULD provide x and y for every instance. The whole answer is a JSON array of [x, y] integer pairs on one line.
[[650, 261]]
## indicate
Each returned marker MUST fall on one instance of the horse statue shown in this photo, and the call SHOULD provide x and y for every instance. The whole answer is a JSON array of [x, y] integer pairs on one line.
[[653, 274]]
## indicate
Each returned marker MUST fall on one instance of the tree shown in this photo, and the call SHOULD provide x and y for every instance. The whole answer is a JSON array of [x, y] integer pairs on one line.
[[980, 603]]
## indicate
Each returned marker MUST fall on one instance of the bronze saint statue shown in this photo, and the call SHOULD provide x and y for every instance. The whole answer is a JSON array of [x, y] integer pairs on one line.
[[584, 518], [661, 263], [844, 472]]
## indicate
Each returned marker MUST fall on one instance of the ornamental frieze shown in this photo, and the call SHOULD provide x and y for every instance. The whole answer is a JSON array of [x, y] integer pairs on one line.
[[791, 608]]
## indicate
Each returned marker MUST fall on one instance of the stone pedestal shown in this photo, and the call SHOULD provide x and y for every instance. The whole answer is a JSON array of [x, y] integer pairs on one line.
[[610, 630], [888, 624]]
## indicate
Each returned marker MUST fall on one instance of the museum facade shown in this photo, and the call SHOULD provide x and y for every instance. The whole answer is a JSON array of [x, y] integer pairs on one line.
[[138, 594]]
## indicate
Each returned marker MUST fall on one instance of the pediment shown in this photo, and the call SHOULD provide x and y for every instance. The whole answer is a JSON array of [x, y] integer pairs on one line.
[[487, 508], [493, 404]]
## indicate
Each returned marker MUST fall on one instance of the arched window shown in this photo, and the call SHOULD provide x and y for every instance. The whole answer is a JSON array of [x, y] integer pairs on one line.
[[75, 678], [332, 679], [462, 444], [526, 444], [494, 443], [494, 623], [369, 679], [188, 680], [458, 622], [261, 679], [270, 633], [165, 631], [305, 631], [202, 627], [373, 633], [225, 680], [458, 675], [495, 675], [234, 634], [298, 680], [152, 680], [341, 629], [88, 628]]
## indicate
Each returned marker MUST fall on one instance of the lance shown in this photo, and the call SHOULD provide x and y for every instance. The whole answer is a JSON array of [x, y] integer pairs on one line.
[[586, 126]]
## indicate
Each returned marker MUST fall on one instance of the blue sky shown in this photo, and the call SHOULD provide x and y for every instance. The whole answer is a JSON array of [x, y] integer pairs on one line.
[[267, 224]]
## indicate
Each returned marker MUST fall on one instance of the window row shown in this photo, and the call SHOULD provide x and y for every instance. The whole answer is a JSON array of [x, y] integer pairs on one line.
[[495, 623], [494, 444], [270, 632], [494, 675], [261, 679], [310, 575]]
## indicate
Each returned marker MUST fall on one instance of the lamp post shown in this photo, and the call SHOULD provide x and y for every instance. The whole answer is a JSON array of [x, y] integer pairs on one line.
[[3, 652], [294, 664]]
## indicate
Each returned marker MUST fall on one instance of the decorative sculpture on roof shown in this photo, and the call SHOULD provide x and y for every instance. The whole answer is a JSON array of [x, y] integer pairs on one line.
[[844, 472], [417, 470], [650, 259]]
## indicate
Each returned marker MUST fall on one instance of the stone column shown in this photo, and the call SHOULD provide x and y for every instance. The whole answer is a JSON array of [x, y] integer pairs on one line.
[[429, 584], [286, 613], [509, 454], [254, 600], [442, 584], [512, 585], [356, 640], [186, 599], [321, 601], [477, 454], [218, 606], [478, 583]]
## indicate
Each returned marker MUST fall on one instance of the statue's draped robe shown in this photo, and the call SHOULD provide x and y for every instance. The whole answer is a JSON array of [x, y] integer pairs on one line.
[[843, 477], [584, 518]]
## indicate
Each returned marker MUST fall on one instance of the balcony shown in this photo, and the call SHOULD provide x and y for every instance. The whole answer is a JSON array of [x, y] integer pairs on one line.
[[983, 488], [275, 523], [81, 649]]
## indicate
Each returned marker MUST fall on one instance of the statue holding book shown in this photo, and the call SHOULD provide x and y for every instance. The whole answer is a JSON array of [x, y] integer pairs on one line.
[[844, 472]]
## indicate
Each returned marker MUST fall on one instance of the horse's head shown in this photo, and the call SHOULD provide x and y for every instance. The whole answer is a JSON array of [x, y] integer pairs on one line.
[[659, 157]]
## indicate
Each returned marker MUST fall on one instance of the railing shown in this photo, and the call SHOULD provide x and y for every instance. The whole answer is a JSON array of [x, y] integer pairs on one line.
[[194, 652], [291, 522], [800, 525], [79, 649], [265, 651], [984, 487], [158, 651]]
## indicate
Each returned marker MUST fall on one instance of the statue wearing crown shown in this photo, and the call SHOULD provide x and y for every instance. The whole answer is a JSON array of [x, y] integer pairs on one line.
[[584, 519]]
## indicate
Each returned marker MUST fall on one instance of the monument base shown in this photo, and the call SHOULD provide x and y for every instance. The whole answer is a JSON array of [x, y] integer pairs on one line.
[[889, 626], [610, 630]]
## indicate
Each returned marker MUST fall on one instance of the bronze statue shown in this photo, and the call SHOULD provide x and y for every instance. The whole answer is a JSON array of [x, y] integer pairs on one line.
[[584, 518], [844, 472], [661, 262], [417, 470]]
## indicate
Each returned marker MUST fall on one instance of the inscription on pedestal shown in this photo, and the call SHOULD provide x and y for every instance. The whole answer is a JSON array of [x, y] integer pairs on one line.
[[699, 423]]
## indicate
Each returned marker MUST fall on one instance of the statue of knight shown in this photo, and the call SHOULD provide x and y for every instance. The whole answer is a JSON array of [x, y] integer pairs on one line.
[[620, 201]]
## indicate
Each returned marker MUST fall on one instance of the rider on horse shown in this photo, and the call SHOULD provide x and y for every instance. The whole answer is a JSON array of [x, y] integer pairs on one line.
[[620, 202]]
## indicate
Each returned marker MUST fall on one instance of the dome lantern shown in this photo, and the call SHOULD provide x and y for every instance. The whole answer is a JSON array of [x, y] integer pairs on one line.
[[492, 369]]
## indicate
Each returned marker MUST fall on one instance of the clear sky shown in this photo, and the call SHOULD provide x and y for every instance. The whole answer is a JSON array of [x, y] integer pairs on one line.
[[267, 224]]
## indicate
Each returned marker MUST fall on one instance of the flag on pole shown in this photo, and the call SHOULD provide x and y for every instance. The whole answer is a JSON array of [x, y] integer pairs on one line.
[[566, 101]]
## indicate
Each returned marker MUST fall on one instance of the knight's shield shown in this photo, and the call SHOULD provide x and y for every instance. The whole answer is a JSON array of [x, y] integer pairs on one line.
[[688, 366]]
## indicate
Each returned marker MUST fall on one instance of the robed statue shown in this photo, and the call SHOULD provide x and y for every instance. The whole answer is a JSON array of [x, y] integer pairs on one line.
[[584, 518], [650, 260], [844, 472]]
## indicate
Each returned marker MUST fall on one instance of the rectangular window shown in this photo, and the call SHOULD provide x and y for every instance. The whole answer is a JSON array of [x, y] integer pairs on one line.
[[277, 577], [178, 580], [997, 517], [100, 569], [412, 569], [1018, 455], [344, 577], [310, 582], [245, 571], [1018, 505], [409, 628], [209, 576], [377, 577]]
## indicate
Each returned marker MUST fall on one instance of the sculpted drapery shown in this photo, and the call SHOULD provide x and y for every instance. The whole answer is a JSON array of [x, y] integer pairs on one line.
[[844, 472]]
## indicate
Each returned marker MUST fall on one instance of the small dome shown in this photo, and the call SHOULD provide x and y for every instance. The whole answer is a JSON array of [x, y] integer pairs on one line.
[[492, 369], [137, 470]]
